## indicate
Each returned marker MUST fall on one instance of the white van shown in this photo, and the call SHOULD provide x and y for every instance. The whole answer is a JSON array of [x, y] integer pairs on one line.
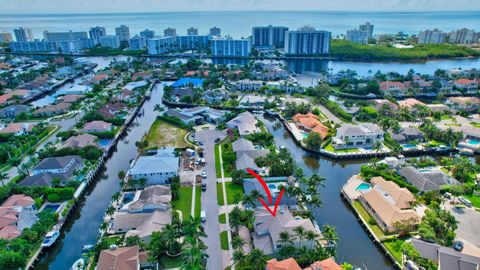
[[203, 216]]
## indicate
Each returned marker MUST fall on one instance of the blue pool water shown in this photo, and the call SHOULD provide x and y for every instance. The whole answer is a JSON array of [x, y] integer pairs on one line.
[[424, 170], [473, 142], [305, 135], [272, 186], [409, 145], [104, 142], [363, 186], [51, 207]]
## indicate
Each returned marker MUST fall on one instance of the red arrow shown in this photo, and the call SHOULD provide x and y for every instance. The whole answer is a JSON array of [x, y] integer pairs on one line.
[[267, 190]]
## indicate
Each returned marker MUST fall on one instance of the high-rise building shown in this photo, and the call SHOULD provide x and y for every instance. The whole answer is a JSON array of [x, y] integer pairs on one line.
[[230, 47], [97, 32], [215, 32], [34, 46], [160, 45], [64, 36], [137, 43], [464, 36], [23, 34], [368, 28], [147, 33], [192, 42], [192, 31], [170, 32], [123, 33], [6, 37], [307, 41], [432, 37], [269, 36], [110, 41]]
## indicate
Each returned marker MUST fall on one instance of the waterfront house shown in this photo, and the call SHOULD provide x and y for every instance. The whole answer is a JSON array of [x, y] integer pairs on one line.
[[51, 168], [470, 132], [426, 179], [248, 85], [327, 264], [388, 204], [355, 136], [310, 123], [468, 104], [123, 258], [134, 85], [97, 126], [267, 229], [393, 88], [53, 109], [245, 123], [197, 115], [16, 214], [113, 110], [246, 154], [13, 111], [467, 85], [144, 212], [446, 257], [81, 141], [190, 82], [157, 169], [17, 129], [71, 98], [141, 76], [216, 95], [407, 134], [178, 93]]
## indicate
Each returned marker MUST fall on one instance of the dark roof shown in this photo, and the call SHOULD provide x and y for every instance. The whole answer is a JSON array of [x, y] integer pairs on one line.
[[56, 162], [428, 180]]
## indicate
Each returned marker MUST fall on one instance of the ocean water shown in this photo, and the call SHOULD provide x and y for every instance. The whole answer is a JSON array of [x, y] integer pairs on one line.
[[239, 23]]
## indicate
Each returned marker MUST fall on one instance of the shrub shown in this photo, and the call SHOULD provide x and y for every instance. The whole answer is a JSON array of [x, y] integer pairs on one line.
[[53, 197], [372, 221]]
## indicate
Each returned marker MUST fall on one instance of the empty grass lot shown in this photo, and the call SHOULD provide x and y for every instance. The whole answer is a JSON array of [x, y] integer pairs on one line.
[[162, 133]]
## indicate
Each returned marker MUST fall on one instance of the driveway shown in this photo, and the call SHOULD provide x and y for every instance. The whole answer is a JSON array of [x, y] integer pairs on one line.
[[468, 220], [209, 199]]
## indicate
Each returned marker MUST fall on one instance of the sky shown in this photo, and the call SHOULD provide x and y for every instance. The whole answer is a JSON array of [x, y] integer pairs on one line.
[[113, 6]]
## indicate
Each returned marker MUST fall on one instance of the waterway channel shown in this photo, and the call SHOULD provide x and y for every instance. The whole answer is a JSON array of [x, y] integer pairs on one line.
[[82, 227]]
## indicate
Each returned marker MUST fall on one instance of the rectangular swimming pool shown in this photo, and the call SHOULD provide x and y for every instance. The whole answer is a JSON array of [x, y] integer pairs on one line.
[[364, 186]]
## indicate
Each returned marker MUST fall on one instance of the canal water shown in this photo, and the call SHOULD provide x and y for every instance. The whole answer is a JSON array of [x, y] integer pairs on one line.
[[354, 246], [82, 227]]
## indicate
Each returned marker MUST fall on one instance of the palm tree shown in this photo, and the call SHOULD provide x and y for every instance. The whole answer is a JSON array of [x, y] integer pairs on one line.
[[300, 232], [158, 108], [311, 236], [257, 259], [237, 242], [171, 234], [285, 238], [239, 257], [110, 210], [116, 196]]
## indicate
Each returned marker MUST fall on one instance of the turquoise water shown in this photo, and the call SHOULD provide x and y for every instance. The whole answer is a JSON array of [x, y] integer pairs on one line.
[[304, 135], [51, 207], [104, 142], [409, 145], [424, 170], [364, 186], [473, 142]]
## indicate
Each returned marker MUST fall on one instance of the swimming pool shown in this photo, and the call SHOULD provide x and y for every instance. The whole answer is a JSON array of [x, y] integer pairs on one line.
[[473, 142], [424, 170], [51, 207], [104, 142], [304, 135], [409, 145], [364, 186]]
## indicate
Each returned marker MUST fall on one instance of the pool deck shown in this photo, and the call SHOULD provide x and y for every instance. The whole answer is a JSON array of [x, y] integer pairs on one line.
[[350, 188]]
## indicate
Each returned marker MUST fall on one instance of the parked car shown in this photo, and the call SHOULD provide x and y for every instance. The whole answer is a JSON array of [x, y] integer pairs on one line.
[[458, 246], [217, 140], [204, 186], [465, 201], [204, 174], [203, 216], [447, 195]]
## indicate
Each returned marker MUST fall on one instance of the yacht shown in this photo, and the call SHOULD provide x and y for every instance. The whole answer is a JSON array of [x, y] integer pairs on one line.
[[50, 238], [78, 265]]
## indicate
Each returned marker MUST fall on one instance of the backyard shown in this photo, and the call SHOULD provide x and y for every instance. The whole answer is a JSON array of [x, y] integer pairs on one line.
[[366, 216], [162, 133], [330, 148], [232, 189], [184, 203]]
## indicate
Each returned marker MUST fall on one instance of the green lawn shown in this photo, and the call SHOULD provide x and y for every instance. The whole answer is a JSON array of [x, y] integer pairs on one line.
[[222, 218], [220, 194], [198, 195], [474, 199], [184, 203], [366, 216], [224, 240], [233, 189], [168, 262], [162, 133], [395, 248], [218, 170], [330, 148], [475, 124]]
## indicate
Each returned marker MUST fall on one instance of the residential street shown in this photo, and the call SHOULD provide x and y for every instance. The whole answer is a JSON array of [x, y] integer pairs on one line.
[[209, 198]]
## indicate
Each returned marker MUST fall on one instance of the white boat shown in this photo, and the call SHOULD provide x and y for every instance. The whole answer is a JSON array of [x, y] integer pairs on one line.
[[466, 152], [50, 238], [78, 265], [87, 248]]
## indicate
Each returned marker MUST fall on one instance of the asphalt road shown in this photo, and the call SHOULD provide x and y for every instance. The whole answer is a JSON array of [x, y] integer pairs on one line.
[[209, 199]]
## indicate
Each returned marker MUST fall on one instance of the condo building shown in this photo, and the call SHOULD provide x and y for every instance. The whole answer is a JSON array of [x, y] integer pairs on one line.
[[230, 47], [268, 36], [307, 41], [96, 33], [23, 34]]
